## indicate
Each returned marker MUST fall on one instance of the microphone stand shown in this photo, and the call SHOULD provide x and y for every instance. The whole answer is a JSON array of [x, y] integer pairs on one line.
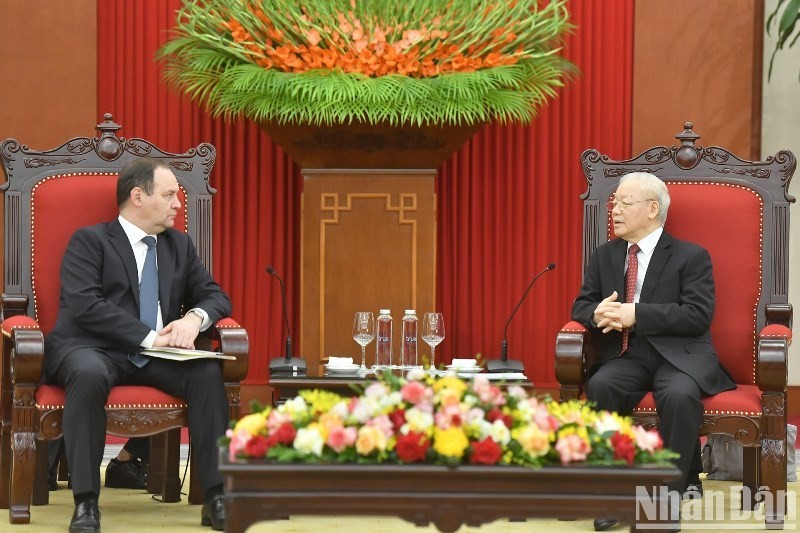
[[504, 364], [286, 364]]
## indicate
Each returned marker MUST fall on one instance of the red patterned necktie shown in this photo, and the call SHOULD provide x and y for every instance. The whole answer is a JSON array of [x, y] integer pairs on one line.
[[630, 287]]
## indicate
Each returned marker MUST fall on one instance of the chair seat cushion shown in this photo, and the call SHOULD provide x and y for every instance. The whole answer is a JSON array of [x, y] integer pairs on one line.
[[743, 400], [124, 396]]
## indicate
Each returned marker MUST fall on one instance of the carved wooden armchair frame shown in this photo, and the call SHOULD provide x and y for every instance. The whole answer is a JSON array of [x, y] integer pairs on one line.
[[41, 182], [739, 211]]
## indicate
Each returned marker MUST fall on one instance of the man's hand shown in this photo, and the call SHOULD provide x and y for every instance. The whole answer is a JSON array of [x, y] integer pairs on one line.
[[613, 315], [180, 333]]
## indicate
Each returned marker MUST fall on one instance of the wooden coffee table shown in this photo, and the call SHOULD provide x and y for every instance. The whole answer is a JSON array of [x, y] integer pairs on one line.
[[425, 494]]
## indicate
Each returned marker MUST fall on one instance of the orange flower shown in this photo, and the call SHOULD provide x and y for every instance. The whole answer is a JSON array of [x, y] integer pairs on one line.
[[313, 37]]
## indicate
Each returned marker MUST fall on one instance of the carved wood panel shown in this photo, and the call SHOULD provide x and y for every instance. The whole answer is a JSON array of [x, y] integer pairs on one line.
[[369, 242]]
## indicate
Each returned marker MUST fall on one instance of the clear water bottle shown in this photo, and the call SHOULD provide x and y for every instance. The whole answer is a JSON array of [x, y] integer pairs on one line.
[[408, 355], [383, 347]]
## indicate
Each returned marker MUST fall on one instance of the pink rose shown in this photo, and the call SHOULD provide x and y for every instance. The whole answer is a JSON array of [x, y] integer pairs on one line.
[[340, 438], [572, 449], [415, 392], [648, 441]]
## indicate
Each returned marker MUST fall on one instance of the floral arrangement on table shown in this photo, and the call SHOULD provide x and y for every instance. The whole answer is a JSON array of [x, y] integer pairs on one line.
[[449, 421], [337, 61]]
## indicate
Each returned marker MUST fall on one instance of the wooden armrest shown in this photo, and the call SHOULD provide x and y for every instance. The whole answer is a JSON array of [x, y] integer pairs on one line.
[[25, 350], [233, 341], [772, 356], [772, 352], [571, 360]]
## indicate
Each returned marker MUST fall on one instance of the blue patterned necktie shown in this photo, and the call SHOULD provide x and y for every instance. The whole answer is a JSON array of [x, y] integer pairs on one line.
[[148, 296]]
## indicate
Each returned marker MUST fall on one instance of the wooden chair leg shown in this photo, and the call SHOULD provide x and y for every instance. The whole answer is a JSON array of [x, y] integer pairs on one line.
[[171, 490], [773, 479], [5, 463], [41, 487], [155, 469], [751, 474], [23, 446]]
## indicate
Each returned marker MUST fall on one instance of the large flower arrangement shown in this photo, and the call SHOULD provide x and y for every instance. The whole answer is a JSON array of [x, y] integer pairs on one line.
[[441, 421], [336, 61]]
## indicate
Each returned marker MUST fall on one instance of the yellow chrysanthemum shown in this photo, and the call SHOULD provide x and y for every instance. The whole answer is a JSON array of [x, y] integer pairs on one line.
[[450, 382], [451, 442], [254, 424], [320, 401]]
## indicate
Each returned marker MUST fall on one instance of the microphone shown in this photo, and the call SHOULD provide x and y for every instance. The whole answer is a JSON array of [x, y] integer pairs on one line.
[[504, 364], [286, 364]]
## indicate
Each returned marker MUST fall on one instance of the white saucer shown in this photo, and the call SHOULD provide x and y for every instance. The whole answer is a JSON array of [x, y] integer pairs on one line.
[[351, 369], [464, 369]]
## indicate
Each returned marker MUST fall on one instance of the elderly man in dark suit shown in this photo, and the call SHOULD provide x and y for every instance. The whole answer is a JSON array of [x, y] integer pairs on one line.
[[123, 287], [650, 299]]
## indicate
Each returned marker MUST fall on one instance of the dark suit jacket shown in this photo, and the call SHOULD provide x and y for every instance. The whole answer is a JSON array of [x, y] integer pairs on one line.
[[674, 310], [99, 304]]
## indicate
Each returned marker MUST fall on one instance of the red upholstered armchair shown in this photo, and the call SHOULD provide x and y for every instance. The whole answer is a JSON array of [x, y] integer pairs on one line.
[[48, 195], [739, 211]]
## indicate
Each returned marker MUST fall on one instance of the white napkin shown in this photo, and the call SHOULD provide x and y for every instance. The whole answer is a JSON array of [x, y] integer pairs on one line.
[[465, 363], [340, 361]]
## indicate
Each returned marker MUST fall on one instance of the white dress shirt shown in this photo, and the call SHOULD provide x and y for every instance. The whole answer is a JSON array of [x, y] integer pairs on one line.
[[646, 248], [135, 235]]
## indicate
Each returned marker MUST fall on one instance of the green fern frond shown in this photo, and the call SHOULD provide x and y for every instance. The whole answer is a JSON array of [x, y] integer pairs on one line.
[[225, 65]]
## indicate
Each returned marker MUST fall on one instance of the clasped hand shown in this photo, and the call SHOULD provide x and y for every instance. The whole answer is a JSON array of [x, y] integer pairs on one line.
[[611, 314], [180, 333]]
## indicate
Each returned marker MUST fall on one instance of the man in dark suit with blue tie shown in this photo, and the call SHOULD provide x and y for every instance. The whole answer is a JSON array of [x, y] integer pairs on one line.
[[649, 299], [124, 286]]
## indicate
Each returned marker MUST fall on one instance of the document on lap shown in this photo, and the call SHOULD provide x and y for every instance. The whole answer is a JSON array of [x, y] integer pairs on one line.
[[183, 354]]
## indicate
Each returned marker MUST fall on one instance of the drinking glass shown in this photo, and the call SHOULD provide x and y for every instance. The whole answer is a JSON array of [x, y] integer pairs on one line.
[[363, 333], [433, 333]]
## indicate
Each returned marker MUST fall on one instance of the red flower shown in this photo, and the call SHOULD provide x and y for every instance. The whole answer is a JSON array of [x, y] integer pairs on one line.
[[398, 418], [285, 433], [486, 452], [412, 447], [624, 447], [496, 414], [257, 446]]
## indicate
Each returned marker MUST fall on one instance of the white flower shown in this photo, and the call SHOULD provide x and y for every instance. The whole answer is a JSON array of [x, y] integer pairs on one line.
[[515, 391], [416, 374], [390, 400], [376, 390], [474, 415], [417, 420], [293, 407], [606, 422], [364, 410], [308, 441], [341, 410], [484, 428], [500, 433]]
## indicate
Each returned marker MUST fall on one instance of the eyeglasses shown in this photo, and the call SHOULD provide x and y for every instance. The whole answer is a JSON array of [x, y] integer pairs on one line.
[[622, 205]]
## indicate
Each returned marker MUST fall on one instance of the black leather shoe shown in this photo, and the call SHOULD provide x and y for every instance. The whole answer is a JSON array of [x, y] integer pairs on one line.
[[213, 513], [601, 524], [86, 518], [126, 474]]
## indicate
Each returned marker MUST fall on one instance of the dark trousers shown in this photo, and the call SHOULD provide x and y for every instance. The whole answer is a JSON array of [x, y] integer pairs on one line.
[[619, 385], [87, 376]]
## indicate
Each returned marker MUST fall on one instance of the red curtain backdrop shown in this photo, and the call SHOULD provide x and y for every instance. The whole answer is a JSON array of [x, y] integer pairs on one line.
[[507, 201]]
